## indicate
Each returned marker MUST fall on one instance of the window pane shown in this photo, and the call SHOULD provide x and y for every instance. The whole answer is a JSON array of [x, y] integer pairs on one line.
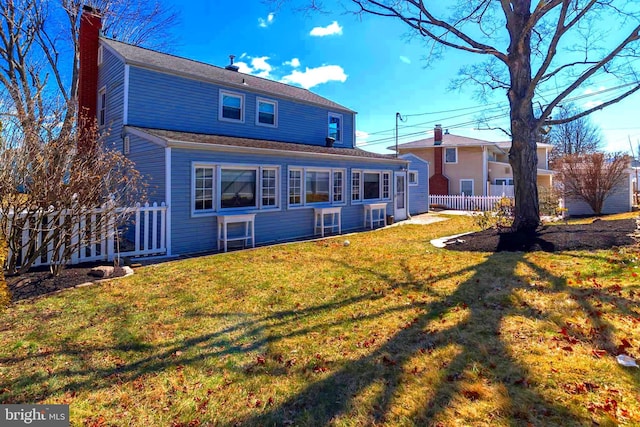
[[371, 186], [355, 186], [237, 188], [295, 187], [317, 184], [269, 187], [231, 107], [203, 191], [466, 187], [266, 113], [386, 185], [450, 155], [337, 186], [335, 128]]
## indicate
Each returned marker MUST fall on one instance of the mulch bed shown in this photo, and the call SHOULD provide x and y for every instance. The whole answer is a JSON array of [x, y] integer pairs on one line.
[[551, 238], [39, 281]]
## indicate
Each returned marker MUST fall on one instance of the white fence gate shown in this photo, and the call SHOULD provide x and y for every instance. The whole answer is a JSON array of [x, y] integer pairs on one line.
[[95, 233], [465, 203]]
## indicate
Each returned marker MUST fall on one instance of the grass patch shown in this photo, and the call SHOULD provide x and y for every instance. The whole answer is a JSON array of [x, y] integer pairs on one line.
[[387, 330]]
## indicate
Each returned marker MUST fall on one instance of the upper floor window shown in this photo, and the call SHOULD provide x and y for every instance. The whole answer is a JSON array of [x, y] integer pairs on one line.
[[267, 113], [231, 106], [100, 55], [102, 107], [451, 155], [335, 127]]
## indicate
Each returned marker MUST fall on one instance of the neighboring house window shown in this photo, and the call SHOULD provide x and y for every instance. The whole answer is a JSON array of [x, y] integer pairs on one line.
[[102, 107], [504, 181], [100, 55], [370, 185], [267, 113], [295, 187], [203, 186], [318, 185], [451, 155], [231, 106], [335, 126], [355, 186], [466, 187], [221, 187], [413, 178]]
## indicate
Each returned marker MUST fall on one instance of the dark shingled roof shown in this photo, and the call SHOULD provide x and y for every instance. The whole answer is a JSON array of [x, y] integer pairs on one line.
[[168, 136], [176, 65]]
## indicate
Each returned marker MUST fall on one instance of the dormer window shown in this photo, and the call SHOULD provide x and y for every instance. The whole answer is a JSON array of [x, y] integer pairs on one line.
[[335, 127], [267, 113], [231, 107]]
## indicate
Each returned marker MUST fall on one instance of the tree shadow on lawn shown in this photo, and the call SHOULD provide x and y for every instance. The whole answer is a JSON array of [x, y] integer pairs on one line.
[[481, 347]]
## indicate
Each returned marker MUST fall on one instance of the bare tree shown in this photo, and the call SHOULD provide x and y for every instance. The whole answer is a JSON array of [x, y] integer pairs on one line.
[[540, 53], [49, 189], [591, 178], [580, 136]]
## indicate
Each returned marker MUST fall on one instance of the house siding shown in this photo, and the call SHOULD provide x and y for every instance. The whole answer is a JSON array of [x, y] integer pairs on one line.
[[198, 234], [111, 77], [149, 160], [418, 194], [619, 201], [194, 108]]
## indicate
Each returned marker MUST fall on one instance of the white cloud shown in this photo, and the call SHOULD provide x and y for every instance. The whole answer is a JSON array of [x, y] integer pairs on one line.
[[259, 67], [295, 63], [265, 22], [361, 137], [405, 59], [329, 30], [314, 76]]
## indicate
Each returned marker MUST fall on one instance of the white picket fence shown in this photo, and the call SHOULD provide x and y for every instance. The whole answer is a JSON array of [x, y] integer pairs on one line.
[[465, 203], [95, 233]]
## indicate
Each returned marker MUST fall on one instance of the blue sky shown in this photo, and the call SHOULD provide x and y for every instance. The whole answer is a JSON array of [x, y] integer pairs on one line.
[[368, 64]]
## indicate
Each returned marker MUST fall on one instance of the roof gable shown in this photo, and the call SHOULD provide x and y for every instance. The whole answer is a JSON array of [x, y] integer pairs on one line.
[[172, 64]]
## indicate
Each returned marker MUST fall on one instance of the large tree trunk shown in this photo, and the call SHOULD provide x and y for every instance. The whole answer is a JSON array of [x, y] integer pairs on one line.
[[524, 128]]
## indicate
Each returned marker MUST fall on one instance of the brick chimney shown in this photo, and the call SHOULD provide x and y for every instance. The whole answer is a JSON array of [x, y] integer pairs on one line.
[[90, 25], [438, 183]]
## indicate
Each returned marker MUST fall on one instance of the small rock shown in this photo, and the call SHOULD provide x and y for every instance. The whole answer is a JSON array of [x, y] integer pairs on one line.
[[103, 271], [346, 243]]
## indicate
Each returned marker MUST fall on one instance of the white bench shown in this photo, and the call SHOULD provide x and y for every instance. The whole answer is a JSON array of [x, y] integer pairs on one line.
[[249, 229], [319, 220], [375, 214]]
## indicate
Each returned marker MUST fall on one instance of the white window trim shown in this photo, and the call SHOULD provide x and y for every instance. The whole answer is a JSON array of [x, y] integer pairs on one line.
[[444, 154], [412, 172], [473, 190], [242, 106], [217, 189], [359, 200], [102, 90], [100, 55], [303, 187], [340, 128], [381, 172], [275, 112]]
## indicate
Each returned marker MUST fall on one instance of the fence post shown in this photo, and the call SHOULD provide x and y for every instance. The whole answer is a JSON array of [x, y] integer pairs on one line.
[[111, 221]]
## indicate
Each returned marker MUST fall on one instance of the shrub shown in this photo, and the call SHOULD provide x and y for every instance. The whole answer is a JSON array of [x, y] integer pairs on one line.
[[500, 217], [549, 202]]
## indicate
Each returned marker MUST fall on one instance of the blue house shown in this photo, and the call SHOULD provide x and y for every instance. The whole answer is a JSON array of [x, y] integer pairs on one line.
[[235, 156]]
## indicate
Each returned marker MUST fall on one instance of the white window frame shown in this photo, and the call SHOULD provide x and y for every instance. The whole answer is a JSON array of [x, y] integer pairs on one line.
[[444, 153], [303, 187], [495, 181], [275, 112], [100, 55], [414, 174], [381, 198], [102, 107], [220, 106], [217, 208], [340, 126], [356, 186], [472, 186]]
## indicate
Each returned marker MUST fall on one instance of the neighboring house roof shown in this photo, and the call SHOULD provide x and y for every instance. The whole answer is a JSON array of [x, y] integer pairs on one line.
[[170, 138], [182, 66], [451, 140]]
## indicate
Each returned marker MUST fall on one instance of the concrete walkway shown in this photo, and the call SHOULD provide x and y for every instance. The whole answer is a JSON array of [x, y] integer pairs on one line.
[[430, 217]]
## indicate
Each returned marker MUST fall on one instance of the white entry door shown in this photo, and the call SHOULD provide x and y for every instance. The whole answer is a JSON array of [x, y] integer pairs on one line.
[[400, 191]]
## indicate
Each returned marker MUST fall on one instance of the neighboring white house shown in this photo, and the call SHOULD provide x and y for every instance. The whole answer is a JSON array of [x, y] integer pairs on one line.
[[621, 200]]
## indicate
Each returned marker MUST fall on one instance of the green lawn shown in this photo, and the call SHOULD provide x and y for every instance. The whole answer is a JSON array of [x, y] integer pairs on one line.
[[385, 331]]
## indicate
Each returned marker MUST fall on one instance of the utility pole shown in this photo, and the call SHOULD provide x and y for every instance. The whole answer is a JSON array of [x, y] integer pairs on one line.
[[398, 117]]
